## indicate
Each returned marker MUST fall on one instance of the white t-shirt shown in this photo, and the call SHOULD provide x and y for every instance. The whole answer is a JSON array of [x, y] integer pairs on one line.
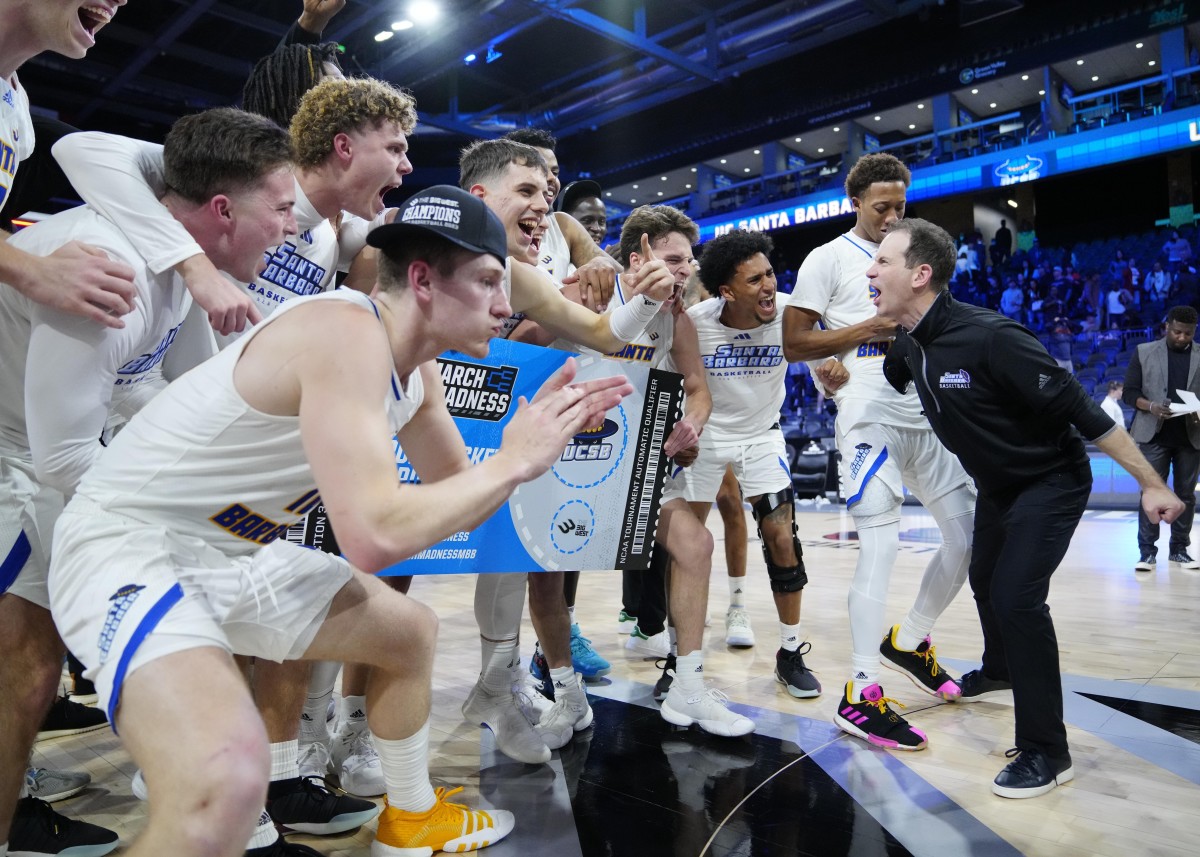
[[202, 463], [1113, 409], [61, 374], [16, 133], [833, 283], [745, 371]]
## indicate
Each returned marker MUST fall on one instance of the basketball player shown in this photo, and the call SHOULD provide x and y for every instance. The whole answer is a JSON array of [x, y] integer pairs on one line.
[[886, 444], [741, 343], [669, 341], [169, 556], [63, 376]]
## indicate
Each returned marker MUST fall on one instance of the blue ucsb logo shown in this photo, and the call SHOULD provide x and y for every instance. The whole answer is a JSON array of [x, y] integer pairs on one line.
[[146, 362], [743, 356]]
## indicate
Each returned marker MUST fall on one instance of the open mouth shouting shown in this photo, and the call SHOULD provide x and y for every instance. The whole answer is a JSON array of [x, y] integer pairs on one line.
[[532, 230], [92, 17]]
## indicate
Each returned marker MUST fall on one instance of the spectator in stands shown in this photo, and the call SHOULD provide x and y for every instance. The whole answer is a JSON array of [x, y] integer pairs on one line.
[[1089, 328], [1060, 344], [1157, 284], [1112, 402], [1118, 266], [1119, 300], [1012, 301], [1112, 336], [1053, 306], [1002, 244], [1178, 252], [1156, 373]]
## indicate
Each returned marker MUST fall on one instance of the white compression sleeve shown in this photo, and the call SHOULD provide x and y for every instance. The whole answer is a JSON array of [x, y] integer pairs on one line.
[[630, 319]]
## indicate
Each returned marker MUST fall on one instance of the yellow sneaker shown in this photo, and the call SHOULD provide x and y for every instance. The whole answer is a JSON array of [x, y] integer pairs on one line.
[[445, 827]]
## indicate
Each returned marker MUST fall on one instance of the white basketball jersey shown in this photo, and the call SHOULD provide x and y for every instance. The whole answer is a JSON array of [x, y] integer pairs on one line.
[[202, 463], [745, 370], [833, 283], [16, 134]]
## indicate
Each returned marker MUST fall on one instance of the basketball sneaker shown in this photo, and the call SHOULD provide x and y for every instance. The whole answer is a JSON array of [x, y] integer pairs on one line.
[[920, 665], [874, 721], [70, 718], [38, 829], [663, 686], [500, 712], [625, 623], [570, 713], [707, 707], [655, 645], [791, 672], [306, 805], [539, 668], [584, 659], [52, 786], [738, 631], [446, 827], [359, 770]]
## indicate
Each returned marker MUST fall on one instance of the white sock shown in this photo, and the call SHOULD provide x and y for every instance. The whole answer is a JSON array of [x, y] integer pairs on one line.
[[3, 849], [913, 631], [737, 591], [571, 610], [500, 657], [689, 671], [285, 760], [405, 763], [674, 641], [563, 677], [354, 712], [264, 832], [789, 636], [316, 704]]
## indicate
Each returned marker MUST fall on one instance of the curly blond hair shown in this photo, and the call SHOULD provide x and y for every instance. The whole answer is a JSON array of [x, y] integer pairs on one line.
[[336, 106]]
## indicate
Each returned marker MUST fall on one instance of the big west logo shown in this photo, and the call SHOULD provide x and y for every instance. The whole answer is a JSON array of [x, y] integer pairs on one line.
[[588, 445], [288, 270], [477, 392]]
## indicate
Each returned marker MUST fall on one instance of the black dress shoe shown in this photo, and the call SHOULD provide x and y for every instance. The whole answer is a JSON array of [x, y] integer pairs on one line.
[[1031, 774]]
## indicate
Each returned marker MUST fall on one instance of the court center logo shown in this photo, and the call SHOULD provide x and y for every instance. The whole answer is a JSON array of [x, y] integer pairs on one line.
[[475, 391]]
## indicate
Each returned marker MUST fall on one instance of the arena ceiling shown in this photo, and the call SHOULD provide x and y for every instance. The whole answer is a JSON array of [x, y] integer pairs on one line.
[[628, 86]]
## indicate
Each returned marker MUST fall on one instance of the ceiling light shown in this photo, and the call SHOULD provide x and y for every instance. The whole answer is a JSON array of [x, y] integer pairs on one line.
[[609, 193], [469, 58], [632, 200], [660, 193], [911, 126], [404, 24], [1012, 203], [992, 105], [664, 178], [724, 161], [1095, 77], [1150, 63], [745, 169], [635, 187], [920, 106], [1024, 77], [820, 151], [974, 91], [798, 139], [384, 35], [758, 151], [1138, 46], [693, 169], [1041, 92], [1078, 62], [836, 129], [877, 118], [424, 11], [688, 185]]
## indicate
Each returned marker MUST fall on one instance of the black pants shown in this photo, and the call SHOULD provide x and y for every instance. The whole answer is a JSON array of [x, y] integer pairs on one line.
[[1185, 462], [1020, 538], [644, 593]]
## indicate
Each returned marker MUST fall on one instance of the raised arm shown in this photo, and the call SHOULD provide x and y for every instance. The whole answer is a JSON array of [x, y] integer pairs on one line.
[[595, 271], [122, 178]]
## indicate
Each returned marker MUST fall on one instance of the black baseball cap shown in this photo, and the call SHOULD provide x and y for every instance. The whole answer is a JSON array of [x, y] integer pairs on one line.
[[576, 191], [449, 212]]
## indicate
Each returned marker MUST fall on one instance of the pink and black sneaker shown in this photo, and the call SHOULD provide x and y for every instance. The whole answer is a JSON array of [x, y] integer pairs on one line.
[[920, 665], [873, 720]]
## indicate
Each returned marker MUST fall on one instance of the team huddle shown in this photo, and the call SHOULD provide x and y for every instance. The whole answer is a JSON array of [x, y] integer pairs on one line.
[[185, 391]]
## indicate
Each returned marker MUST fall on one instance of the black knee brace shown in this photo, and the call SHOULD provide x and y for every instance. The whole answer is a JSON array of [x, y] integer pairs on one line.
[[784, 578]]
